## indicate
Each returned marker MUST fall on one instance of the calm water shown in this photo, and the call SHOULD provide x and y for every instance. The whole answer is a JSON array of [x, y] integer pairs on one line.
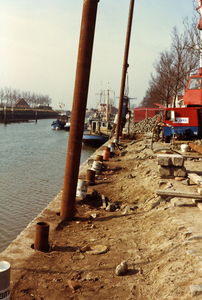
[[32, 166]]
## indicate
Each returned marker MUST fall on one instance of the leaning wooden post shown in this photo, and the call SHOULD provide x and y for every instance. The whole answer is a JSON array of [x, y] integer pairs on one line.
[[5, 116], [78, 108], [36, 115], [124, 71]]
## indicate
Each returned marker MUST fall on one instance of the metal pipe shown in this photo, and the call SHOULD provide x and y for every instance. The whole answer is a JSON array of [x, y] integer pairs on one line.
[[196, 147], [90, 176], [78, 108], [124, 71], [41, 237]]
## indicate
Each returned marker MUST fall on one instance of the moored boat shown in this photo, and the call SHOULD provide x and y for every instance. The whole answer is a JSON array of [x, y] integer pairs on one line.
[[67, 126], [94, 140], [60, 122]]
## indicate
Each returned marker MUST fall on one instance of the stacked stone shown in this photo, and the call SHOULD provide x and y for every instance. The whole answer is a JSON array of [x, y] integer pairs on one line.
[[145, 125], [171, 165]]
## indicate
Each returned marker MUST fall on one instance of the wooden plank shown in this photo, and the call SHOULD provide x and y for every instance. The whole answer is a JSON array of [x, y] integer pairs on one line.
[[173, 194], [199, 204], [195, 178], [188, 154]]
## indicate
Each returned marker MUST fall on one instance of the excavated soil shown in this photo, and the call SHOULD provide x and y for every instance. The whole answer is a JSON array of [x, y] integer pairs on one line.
[[161, 242]]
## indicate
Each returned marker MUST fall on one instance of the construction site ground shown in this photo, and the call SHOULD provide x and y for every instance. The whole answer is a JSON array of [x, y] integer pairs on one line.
[[161, 241]]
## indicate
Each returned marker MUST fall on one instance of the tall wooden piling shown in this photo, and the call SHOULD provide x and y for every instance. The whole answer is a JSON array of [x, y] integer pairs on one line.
[[5, 116], [79, 108], [124, 71]]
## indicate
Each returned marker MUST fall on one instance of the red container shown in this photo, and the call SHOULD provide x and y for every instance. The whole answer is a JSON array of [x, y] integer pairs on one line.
[[106, 153]]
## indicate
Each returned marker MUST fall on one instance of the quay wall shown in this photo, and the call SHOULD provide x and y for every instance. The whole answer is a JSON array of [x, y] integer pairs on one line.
[[20, 250], [20, 115]]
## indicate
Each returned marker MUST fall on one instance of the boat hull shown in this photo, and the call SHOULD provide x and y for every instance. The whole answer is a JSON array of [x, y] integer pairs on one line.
[[58, 125], [94, 140], [67, 127]]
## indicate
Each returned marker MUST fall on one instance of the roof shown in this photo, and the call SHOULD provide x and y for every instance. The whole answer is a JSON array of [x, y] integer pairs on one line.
[[21, 102]]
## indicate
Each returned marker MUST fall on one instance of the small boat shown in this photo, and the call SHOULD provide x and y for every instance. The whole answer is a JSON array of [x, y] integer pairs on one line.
[[67, 126], [60, 122], [96, 134], [94, 140]]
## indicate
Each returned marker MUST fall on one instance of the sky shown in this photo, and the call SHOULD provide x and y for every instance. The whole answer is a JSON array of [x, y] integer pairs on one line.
[[39, 45]]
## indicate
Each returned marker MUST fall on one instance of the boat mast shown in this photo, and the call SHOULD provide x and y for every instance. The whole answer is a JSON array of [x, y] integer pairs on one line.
[[107, 106]]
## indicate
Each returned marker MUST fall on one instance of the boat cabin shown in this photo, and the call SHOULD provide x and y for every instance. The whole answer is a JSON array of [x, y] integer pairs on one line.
[[99, 126]]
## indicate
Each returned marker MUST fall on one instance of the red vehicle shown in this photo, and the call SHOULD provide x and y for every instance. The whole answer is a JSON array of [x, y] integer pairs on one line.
[[183, 122], [186, 121]]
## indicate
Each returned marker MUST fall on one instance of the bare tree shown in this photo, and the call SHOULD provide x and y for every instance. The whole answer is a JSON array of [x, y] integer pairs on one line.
[[2, 95], [8, 96], [172, 70], [11, 96], [161, 84], [15, 95], [184, 62]]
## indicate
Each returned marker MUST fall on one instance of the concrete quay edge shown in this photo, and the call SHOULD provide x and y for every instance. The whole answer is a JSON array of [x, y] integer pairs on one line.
[[20, 249]]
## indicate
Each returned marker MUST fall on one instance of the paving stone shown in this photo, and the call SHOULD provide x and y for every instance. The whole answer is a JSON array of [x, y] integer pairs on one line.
[[111, 207], [73, 285], [197, 254], [146, 125], [178, 160], [164, 171], [164, 160], [170, 159], [196, 289], [185, 182], [179, 171], [191, 251]]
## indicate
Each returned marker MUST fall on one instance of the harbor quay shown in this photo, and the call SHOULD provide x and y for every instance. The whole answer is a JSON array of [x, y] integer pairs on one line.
[[126, 241], [22, 248]]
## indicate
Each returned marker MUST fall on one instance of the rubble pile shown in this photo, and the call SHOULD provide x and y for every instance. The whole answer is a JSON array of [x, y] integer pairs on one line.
[[146, 125]]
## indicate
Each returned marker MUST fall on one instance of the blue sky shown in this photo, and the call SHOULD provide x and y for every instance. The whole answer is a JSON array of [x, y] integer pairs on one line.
[[39, 45]]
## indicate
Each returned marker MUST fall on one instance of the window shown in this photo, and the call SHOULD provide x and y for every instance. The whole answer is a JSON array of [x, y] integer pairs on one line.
[[195, 83]]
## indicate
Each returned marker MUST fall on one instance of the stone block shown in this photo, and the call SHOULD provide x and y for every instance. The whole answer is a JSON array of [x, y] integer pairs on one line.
[[178, 160], [179, 171], [73, 285], [165, 171], [196, 289], [164, 160], [170, 159]]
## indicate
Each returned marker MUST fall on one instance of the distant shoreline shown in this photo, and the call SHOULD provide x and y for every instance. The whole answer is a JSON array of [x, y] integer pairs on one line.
[[25, 115]]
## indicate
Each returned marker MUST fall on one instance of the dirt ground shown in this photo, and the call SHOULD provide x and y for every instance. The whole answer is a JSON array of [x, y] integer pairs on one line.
[[161, 242]]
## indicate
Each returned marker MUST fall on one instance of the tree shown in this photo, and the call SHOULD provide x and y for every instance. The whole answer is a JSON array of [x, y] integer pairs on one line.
[[184, 62], [173, 68], [11, 96], [2, 95]]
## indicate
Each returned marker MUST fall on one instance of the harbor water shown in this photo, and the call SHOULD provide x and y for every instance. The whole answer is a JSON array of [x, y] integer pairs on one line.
[[32, 166]]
